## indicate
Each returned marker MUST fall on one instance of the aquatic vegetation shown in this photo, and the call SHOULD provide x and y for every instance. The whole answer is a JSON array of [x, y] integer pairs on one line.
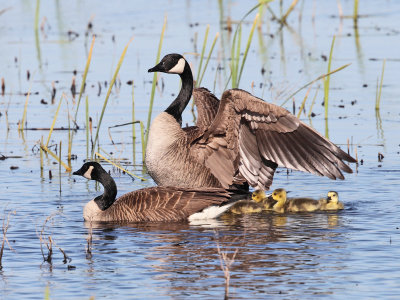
[[153, 87], [379, 88]]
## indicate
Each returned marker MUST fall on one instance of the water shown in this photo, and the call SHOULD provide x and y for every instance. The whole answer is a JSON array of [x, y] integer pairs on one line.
[[353, 253]]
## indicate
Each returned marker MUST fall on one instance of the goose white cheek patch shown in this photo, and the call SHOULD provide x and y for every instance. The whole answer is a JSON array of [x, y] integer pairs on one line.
[[178, 68], [88, 173]]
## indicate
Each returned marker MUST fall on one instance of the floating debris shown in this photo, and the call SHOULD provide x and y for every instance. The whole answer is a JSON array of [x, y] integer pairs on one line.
[[14, 168], [3, 86], [380, 157]]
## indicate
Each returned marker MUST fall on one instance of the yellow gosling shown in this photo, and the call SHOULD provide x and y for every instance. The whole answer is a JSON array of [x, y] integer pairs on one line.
[[260, 197], [293, 204], [246, 207], [331, 202]]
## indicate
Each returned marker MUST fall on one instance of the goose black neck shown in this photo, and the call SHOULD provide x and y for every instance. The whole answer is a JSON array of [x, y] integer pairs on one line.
[[177, 107], [110, 191]]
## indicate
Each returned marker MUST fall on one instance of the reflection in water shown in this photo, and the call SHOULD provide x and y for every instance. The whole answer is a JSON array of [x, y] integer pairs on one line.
[[379, 128], [272, 251]]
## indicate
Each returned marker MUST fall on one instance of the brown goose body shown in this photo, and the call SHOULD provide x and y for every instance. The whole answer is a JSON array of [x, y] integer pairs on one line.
[[243, 142], [155, 204]]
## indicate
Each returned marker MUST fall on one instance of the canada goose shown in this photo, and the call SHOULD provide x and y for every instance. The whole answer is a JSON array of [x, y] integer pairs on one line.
[[293, 204], [157, 204], [331, 202], [245, 207], [242, 143], [259, 196]]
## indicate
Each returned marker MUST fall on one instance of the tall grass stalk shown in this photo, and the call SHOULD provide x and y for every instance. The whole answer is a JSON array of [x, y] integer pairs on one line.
[[355, 13], [247, 47], [118, 166], [153, 87], [108, 94], [87, 127], [41, 158], [69, 136], [327, 80], [238, 28], [84, 77], [59, 165], [291, 7], [54, 121], [143, 144], [36, 29], [313, 102], [21, 126], [198, 82], [133, 124], [316, 79], [67, 168], [202, 55], [6, 225], [379, 90], [303, 103]]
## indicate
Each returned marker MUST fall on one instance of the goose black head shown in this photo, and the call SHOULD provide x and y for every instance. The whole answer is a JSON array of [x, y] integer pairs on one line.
[[90, 170], [171, 63]]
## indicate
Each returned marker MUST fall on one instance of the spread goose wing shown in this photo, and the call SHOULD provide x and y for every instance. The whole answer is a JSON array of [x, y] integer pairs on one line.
[[207, 106], [254, 137]]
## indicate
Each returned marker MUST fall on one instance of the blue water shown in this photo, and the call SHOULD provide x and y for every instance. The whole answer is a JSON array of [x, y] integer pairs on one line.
[[349, 254]]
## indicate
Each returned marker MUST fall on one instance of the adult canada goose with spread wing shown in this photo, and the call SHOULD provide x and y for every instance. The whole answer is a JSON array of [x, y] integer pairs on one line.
[[243, 142], [154, 204]]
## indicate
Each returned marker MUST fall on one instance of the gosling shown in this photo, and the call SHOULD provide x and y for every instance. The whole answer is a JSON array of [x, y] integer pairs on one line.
[[260, 197], [331, 202], [293, 204], [246, 207]]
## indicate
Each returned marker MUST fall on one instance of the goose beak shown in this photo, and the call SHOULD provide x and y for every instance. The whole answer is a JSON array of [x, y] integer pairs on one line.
[[328, 198], [79, 172], [157, 68]]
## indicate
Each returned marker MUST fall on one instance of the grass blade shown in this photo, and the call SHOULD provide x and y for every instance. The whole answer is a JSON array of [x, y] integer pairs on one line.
[[119, 167], [379, 92], [153, 87], [87, 127], [316, 79], [84, 77], [202, 55], [133, 124], [283, 19], [68, 169], [327, 80], [303, 103], [208, 58], [109, 92], [247, 47], [54, 121]]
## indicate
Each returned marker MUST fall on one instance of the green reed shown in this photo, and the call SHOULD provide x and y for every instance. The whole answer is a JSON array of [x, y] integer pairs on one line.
[[153, 87], [133, 124], [290, 9], [87, 126], [202, 55], [327, 80], [303, 103], [379, 88], [54, 120], [108, 94], [83, 83], [311, 82], [199, 80]]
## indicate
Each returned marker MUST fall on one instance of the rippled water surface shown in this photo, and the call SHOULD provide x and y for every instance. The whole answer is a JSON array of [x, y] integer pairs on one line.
[[349, 254]]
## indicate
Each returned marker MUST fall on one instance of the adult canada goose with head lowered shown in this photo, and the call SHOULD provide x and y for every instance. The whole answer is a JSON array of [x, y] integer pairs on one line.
[[240, 139], [154, 204]]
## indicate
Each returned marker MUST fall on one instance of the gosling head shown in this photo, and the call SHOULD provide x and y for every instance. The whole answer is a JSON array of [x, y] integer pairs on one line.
[[171, 63], [333, 197], [279, 195], [258, 196], [90, 170]]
